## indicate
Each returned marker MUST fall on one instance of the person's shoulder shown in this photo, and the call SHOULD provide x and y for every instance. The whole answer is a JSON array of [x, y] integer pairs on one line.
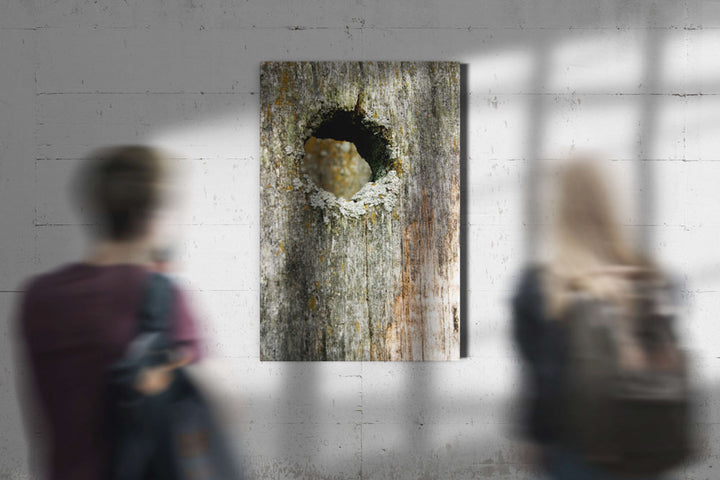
[[44, 280], [37, 291], [30, 284], [170, 284], [165, 280], [528, 288], [531, 276]]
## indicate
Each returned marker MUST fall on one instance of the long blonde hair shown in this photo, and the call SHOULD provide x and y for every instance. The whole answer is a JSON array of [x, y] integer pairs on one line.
[[590, 250]]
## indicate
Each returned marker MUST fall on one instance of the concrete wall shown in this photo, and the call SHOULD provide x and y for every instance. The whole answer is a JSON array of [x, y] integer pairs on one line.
[[631, 79]]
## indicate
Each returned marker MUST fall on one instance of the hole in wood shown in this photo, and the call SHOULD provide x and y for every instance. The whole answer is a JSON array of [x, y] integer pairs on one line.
[[356, 152], [336, 166]]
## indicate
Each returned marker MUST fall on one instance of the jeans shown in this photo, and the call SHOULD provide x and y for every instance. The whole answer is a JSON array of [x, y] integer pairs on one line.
[[565, 464]]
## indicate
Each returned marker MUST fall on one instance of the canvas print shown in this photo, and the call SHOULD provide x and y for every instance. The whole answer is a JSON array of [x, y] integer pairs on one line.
[[360, 211]]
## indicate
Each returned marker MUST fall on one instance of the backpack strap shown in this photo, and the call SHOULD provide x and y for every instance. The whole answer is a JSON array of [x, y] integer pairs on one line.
[[156, 307], [152, 344]]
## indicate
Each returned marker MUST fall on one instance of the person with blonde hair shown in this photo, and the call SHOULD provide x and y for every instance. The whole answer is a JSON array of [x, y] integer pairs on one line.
[[589, 258]]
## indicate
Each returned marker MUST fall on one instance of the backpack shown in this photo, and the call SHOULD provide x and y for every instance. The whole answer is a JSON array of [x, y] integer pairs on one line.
[[626, 393], [172, 435]]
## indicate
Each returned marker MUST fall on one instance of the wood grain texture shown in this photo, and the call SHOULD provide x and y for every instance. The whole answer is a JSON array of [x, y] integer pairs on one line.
[[376, 278]]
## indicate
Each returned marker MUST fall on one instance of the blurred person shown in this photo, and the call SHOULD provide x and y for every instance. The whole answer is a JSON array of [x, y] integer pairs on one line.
[[75, 321], [594, 276]]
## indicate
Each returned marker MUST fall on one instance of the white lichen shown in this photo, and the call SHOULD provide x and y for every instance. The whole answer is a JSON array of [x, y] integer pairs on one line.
[[383, 192]]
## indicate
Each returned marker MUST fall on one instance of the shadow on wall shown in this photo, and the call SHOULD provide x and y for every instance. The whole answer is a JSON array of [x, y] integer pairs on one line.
[[477, 437], [419, 444], [529, 75]]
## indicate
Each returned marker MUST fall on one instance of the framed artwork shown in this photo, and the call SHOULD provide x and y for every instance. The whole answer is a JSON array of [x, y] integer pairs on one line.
[[360, 211]]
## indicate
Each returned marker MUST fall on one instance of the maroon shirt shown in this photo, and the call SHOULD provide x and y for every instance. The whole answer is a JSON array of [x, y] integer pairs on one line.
[[74, 323]]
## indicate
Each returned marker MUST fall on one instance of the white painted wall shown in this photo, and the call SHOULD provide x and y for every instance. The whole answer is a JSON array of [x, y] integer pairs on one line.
[[627, 78]]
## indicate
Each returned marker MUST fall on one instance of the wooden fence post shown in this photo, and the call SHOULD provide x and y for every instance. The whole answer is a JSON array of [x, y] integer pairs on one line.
[[376, 277]]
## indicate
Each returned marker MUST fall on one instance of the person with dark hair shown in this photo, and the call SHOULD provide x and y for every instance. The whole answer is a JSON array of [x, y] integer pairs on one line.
[[76, 321], [123, 188]]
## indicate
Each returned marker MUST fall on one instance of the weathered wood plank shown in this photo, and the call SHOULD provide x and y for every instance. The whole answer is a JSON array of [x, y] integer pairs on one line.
[[376, 277]]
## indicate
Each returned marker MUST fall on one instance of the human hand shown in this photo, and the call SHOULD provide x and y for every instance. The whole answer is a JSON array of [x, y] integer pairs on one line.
[[154, 380]]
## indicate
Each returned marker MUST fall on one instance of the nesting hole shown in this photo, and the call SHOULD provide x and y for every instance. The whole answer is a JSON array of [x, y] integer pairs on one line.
[[345, 151]]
